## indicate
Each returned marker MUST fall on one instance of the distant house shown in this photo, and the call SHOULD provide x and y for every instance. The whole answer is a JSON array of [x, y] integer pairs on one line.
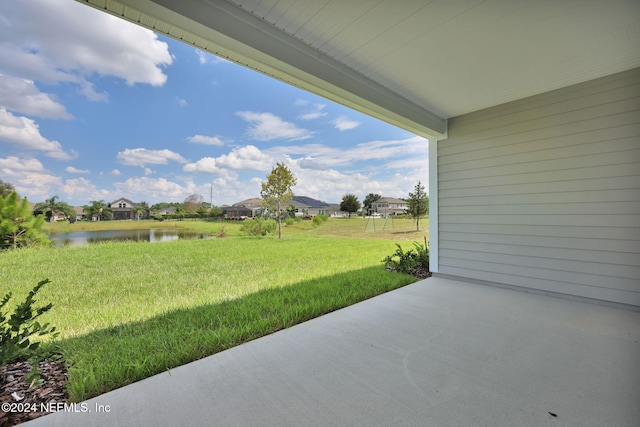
[[334, 211], [306, 206], [59, 216], [245, 209], [122, 209], [80, 215], [386, 206]]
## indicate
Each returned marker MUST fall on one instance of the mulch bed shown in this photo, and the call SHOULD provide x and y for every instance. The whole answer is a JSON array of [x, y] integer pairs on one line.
[[24, 398], [420, 272]]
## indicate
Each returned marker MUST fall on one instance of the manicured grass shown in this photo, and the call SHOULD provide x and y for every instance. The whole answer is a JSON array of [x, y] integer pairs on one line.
[[399, 229], [130, 310]]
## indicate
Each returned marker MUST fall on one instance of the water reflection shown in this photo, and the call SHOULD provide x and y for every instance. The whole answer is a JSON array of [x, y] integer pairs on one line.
[[81, 238]]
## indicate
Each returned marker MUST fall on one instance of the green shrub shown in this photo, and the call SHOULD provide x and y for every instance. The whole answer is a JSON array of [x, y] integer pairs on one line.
[[319, 219], [258, 226], [289, 221], [17, 329], [406, 262], [18, 227]]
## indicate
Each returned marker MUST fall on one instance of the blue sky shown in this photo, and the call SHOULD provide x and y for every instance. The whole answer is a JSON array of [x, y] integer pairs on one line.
[[92, 108]]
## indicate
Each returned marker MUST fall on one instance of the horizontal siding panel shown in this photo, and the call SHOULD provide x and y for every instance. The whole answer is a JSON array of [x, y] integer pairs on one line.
[[548, 161], [592, 256], [628, 250], [543, 220], [548, 285], [631, 183], [488, 145], [561, 275], [578, 269], [590, 208], [604, 232], [560, 105], [588, 143], [545, 192], [571, 173], [592, 118], [586, 196], [622, 85], [571, 110]]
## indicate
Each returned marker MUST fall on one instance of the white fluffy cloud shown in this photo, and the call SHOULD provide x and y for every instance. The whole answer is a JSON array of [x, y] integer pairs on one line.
[[314, 113], [71, 169], [83, 189], [142, 157], [242, 158], [145, 188], [206, 140], [68, 53], [15, 165], [25, 133], [208, 58], [29, 177], [22, 96], [267, 127], [344, 123], [320, 156]]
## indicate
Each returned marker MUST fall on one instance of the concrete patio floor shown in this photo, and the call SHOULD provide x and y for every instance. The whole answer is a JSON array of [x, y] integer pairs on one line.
[[436, 353]]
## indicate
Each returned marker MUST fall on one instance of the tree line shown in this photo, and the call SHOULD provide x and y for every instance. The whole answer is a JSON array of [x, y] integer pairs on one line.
[[20, 227]]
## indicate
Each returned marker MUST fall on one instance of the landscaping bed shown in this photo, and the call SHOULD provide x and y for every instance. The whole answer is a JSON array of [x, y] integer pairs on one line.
[[28, 396]]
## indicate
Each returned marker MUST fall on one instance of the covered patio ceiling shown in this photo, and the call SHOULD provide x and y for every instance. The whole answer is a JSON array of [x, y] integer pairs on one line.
[[413, 64]]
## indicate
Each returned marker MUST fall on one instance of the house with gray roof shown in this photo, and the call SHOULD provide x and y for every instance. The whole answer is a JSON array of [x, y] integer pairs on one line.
[[306, 206]]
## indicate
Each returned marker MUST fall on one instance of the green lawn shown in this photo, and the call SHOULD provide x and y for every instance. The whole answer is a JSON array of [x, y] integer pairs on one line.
[[130, 310]]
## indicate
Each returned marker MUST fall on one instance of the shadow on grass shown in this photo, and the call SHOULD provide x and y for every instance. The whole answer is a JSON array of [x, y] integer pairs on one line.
[[111, 358]]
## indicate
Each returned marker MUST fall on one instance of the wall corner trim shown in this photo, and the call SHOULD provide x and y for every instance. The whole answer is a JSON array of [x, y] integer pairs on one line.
[[433, 205]]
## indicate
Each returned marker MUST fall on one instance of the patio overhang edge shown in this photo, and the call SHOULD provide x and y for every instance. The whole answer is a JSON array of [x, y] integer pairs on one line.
[[229, 32]]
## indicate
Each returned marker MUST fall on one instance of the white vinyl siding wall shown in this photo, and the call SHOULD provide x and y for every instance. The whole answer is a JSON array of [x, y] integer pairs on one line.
[[544, 192]]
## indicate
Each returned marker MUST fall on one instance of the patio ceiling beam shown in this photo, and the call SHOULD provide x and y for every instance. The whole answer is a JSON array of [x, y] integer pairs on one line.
[[228, 31]]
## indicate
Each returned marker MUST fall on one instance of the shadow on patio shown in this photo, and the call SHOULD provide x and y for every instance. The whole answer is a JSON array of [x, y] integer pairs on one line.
[[438, 352]]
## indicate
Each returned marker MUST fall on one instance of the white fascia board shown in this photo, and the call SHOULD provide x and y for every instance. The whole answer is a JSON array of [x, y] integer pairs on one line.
[[228, 31], [434, 225]]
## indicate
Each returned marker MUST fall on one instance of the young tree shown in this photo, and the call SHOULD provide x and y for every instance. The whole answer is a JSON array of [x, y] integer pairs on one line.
[[193, 202], [138, 212], [350, 203], [18, 226], [6, 188], [277, 191], [144, 207], [98, 209], [370, 200], [215, 211], [418, 203]]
